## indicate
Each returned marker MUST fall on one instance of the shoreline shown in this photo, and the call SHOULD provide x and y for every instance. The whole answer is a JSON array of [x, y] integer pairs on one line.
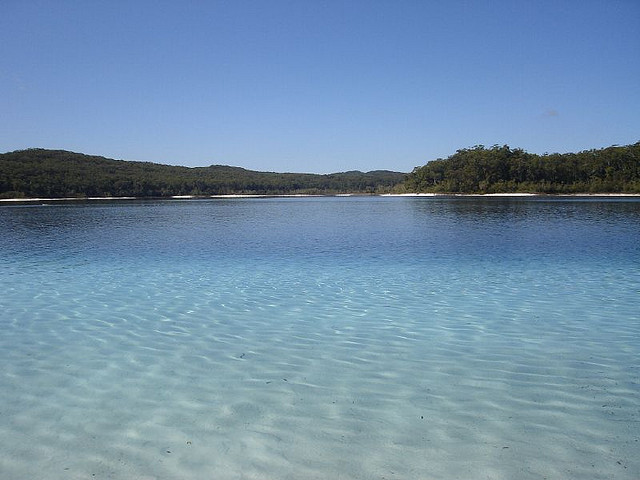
[[240, 195]]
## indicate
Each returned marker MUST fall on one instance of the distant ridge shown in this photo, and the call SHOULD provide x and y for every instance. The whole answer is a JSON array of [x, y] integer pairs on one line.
[[38, 172]]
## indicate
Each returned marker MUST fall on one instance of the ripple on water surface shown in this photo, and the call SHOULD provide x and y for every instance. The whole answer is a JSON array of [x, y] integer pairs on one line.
[[308, 368]]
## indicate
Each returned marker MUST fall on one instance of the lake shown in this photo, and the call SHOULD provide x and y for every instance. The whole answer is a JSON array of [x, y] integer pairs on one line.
[[345, 338]]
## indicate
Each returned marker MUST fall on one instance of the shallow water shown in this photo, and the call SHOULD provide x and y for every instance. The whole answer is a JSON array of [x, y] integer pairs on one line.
[[346, 338]]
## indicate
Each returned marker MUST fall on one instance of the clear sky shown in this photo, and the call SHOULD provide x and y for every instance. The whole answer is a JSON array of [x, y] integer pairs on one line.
[[317, 86]]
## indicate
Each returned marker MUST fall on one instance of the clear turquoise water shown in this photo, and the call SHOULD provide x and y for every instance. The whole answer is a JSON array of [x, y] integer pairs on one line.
[[346, 338]]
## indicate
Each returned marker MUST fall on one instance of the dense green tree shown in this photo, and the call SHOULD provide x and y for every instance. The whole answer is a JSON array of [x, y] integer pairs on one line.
[[58, 173], [497, 169]]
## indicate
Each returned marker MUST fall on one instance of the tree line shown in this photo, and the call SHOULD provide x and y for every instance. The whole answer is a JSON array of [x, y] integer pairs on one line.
[[501, 169], [497, 169], [60, 174]]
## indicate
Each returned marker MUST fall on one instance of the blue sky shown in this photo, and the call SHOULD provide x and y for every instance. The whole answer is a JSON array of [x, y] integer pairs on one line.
[[317, 86]]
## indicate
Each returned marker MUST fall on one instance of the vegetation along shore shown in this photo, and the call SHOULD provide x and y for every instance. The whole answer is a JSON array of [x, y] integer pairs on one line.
[[33, 173]]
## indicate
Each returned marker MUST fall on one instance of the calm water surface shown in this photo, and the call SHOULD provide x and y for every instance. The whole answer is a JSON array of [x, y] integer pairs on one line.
[[346, 338]]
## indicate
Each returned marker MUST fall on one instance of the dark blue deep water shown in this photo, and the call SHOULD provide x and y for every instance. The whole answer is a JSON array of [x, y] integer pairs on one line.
[[345, 338]]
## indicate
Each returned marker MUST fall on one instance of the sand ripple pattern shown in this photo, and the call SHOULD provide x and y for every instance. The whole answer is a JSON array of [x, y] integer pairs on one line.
[[271, 368]]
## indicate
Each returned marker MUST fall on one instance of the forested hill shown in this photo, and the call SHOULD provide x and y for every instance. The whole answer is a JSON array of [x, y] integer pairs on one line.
[[58, 174], [500, 169]]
